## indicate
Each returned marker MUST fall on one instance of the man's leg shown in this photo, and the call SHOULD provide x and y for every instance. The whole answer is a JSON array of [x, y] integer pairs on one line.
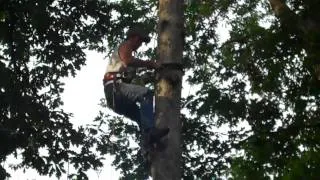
[[131, 94], [144, 96], [122, 105]]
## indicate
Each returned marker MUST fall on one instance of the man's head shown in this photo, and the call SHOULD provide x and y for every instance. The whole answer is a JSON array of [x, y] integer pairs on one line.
[[137, 35]]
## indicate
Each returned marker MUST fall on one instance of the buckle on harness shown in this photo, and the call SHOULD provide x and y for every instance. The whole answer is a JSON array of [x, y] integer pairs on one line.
[[111, 76], [108, 82]]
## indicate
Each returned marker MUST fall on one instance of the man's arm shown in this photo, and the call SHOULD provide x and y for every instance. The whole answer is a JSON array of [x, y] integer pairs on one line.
[[126, 56], [135, 62]]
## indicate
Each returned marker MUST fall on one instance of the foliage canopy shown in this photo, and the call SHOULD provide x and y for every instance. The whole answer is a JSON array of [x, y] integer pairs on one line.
[[255, 114], [41, 43]]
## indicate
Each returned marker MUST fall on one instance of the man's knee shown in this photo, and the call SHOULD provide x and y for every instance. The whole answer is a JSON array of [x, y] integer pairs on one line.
[[147, 96]]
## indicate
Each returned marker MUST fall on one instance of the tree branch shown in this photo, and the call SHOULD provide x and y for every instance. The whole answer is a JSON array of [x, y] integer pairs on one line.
[[285, 14]]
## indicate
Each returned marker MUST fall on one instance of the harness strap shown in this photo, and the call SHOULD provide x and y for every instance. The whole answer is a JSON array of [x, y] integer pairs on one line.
[[114, 94], [112, 78]]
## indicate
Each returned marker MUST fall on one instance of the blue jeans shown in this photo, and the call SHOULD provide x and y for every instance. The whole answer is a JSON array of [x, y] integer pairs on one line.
[[126, 96]]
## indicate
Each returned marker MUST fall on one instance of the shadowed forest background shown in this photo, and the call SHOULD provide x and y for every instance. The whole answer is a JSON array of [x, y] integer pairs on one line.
[[254, 113]]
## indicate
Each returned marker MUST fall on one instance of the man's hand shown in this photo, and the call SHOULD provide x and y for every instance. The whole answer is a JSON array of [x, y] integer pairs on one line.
[[155, 65]]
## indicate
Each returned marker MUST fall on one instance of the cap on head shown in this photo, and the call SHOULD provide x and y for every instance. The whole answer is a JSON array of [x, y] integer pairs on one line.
[[138, 31]]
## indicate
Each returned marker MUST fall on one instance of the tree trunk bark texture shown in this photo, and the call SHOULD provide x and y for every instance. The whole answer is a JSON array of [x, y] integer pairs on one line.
[[307, 28], [166, 165]]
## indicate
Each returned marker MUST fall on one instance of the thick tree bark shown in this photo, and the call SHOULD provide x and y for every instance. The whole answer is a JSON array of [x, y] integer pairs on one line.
[[279, 7], [307, 28], [166, 165], [292, 20], [287, 17]]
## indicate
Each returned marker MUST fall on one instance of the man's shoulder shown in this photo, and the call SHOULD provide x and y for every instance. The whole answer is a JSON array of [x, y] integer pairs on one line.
[[124, 47]]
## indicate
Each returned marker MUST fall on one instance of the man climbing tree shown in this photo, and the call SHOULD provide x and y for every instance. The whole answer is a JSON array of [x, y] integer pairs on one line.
[[166, 165], [122, 95], [254, 93]]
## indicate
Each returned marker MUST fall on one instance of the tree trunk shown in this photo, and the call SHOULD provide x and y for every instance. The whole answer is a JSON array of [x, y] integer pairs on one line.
[[287, 17], [306, 28], [166, 165], [279, 7]]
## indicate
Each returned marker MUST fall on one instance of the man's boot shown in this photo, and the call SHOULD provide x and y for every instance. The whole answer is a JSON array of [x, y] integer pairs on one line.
[[157, 133], [154, 135]]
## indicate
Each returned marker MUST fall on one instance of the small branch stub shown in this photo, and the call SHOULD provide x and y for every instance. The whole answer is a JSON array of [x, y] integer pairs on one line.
[[171, 74]]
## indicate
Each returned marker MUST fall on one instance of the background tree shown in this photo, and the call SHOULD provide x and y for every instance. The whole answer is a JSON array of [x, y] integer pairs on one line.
[[253, 112], [43, 42]]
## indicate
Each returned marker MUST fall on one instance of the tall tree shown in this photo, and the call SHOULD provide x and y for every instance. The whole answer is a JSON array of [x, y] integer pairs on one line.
[[42, 42], [254, 112], [167, 164], [303, 22]]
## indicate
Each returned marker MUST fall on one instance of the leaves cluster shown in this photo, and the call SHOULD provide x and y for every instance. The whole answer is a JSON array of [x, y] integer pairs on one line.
[[255, 115], [41, 43]]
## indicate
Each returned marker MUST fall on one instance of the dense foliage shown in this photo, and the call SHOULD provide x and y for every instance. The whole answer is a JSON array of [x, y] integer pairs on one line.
[[41, 43], [255, 115], [254, 111]]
